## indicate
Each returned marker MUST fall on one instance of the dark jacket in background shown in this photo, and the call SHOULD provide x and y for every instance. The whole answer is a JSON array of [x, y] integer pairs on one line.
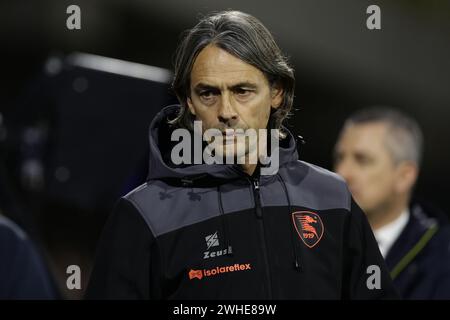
[[419, 259], [23, 274]]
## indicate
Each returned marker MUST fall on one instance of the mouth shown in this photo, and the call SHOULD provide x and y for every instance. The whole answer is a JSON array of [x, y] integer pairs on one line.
[[230, 135]]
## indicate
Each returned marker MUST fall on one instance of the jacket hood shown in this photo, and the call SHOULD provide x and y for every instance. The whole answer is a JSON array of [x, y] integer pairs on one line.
[[161, 166]]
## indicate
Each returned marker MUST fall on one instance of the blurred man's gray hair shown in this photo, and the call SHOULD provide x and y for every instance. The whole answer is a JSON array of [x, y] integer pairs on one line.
[[404, 138]]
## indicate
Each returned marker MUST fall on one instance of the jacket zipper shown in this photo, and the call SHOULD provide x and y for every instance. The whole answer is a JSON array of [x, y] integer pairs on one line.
[[259, 215]]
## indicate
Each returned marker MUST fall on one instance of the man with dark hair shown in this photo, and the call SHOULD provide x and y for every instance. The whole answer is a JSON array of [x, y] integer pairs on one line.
[[242, 229], [378, 153]]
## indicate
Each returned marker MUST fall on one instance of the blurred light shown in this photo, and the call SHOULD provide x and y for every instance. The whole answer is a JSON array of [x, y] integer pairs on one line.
[[53, 65], [120, 67], [32, 174]]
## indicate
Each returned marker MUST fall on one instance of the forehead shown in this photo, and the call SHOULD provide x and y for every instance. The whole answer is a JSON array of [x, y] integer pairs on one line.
[[216, 66], [366, 137]]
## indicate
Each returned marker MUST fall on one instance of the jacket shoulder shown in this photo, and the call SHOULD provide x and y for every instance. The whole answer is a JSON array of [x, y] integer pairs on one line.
[[140, 199], [323, 173], [319, 187], [163, 206]]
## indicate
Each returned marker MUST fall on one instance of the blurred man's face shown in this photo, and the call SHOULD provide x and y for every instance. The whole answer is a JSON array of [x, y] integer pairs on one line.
[[362, 159], [227, 93]]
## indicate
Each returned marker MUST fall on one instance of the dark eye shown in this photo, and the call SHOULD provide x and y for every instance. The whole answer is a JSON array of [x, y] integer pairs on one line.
[[242, 93], [206, 94], [208, 97], [363, 160]]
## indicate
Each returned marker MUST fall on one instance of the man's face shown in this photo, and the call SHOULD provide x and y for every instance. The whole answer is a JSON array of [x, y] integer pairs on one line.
[[227, 93], [362, 159]]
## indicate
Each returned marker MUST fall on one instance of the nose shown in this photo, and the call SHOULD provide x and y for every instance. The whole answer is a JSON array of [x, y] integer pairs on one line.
[[227, 114]]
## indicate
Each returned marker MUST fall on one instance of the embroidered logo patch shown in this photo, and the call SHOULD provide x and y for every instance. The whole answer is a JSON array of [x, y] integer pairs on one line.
[[309, 227]]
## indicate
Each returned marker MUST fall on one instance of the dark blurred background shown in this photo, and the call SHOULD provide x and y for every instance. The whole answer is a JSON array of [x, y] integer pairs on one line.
[[73, 121]]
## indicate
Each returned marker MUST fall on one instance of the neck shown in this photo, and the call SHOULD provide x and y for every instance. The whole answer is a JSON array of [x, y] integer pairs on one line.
[[249, 168], [384, 216], [248, 165]]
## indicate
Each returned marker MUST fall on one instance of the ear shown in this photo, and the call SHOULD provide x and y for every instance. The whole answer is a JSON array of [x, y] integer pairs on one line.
[[190, 105], [407, 173], [277, 94]]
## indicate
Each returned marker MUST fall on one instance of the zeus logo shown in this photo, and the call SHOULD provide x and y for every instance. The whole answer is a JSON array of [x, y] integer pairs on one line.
[[213, 254], [212, 240]]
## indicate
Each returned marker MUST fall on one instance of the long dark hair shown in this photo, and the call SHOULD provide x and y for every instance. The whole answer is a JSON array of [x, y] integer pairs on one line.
[[243, 36]]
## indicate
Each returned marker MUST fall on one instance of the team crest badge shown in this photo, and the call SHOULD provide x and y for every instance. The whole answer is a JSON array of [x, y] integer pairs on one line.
[[309, 227]]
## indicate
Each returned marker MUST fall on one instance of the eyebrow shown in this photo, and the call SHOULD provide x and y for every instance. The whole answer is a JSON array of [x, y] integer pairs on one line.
[[205, 86]]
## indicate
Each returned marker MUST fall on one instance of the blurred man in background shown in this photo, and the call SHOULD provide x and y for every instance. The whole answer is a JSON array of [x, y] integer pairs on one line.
[[378, 153]]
